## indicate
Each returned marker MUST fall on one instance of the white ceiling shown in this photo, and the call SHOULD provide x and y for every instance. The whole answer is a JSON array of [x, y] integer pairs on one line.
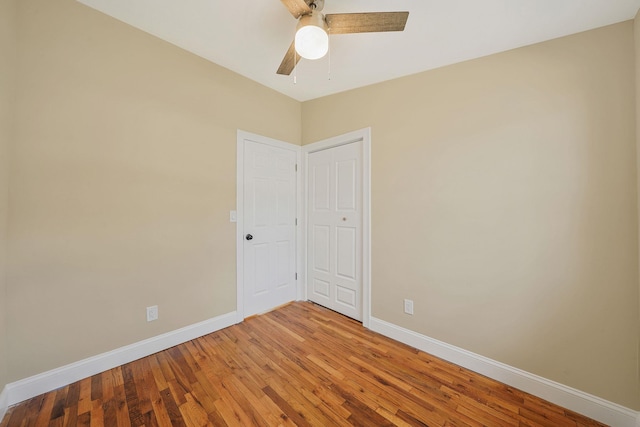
[[251, 37]]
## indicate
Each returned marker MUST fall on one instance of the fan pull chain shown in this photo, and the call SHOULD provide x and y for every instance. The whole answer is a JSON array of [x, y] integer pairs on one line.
[[295, 67]]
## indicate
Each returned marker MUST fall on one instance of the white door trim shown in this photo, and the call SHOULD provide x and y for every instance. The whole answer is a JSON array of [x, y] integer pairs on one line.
[[241, 137], [363, 135]]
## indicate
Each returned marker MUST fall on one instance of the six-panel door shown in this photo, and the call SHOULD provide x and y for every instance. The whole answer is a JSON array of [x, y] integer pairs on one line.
[[269, 227], [334, 202]]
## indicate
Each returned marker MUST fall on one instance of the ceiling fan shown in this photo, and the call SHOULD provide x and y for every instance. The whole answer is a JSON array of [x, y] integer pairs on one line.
[[312, 39]]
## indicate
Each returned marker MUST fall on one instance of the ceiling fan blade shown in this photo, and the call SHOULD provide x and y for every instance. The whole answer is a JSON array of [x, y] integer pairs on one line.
[[372, 22], [297, 7], [289, 61]]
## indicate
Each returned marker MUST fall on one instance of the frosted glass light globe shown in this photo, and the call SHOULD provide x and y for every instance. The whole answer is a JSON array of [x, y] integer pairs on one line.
[[312, 40]]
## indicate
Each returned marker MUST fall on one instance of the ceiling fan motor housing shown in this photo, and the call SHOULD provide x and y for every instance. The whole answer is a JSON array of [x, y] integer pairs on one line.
[[316, 4]]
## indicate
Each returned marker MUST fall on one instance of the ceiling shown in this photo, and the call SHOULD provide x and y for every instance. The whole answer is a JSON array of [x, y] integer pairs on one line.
[[251, 37]]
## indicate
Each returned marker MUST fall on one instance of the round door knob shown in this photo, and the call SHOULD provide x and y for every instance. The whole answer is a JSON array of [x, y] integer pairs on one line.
[[249, 237]]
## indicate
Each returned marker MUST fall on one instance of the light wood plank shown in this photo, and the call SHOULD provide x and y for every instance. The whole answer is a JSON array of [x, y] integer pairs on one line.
[[370, 22]]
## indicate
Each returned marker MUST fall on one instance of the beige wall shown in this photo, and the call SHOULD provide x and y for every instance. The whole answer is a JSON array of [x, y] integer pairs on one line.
[[636, 33], [7, 87], [122, 178], [7, 75], [504, 204]]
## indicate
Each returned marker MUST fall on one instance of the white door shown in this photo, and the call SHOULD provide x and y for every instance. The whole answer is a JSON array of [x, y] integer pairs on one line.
[[269, 215], [334, 238]]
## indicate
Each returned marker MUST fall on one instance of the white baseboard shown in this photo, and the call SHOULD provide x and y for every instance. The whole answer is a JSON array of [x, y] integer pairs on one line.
[[42, 383], [4, 402], [575, 400], [583, 403]]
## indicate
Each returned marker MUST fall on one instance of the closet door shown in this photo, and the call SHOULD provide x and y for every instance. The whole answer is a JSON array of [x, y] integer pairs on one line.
[[334, 202]]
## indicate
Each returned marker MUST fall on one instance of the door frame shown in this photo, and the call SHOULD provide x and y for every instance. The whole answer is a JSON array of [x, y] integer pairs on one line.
[[363, 135], [241, 137]]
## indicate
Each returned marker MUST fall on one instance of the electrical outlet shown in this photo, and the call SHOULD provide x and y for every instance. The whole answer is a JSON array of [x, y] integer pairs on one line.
[[408, 306], [152, 313]]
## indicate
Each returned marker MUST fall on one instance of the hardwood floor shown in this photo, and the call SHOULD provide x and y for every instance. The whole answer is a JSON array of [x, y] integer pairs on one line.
[[299, 365]]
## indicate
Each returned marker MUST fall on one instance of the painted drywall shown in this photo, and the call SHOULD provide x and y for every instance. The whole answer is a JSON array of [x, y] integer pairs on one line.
[[636, 34], [504, 204], [122, 178], [7, 87]]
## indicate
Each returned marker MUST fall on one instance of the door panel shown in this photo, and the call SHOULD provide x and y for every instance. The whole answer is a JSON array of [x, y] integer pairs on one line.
[[320, 186], [346, 252], [335, 222], [346, 189], [346, 297], [283, 269], [260, 254], [321, 288], [321, 248], [284, 203], [269, 217]]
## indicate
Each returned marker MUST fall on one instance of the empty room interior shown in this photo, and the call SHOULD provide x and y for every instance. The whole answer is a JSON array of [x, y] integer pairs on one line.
[[497, 221]]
